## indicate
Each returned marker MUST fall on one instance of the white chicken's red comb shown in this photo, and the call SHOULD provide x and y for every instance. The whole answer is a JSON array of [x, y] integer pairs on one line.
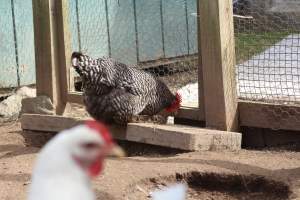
[[101, 129]]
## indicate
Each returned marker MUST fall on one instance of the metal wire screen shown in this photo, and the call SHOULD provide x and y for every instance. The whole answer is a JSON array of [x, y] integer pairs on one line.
[[16, 43], [158, 36], [267, 49]]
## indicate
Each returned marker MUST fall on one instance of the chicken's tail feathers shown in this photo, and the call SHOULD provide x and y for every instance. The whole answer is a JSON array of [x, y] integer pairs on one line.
[[175, 104]]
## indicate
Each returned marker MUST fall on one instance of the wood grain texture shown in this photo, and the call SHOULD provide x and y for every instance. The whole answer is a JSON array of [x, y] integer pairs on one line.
[[63, 51], [271, 116], [218, 64], [50, 48], [201, 102], [174, 136], [56, 123], [45, 65]]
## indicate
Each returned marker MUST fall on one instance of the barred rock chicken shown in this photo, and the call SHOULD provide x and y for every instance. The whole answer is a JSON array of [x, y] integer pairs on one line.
[[115, 92], [68, 161]]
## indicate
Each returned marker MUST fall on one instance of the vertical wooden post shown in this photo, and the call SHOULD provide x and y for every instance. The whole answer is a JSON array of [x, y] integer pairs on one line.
[[201, 103], [218, 64], [51, 50], [43, 38], [64, 48]]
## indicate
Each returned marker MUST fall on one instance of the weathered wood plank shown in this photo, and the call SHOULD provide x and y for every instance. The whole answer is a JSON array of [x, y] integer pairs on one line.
[[52, 47], [183, 137], [272, 116], [218, 64], [75, 97], [201, 103], [63, 52], [191, 113], [47, 123], [55, 123], [180, 137], [44, 49]]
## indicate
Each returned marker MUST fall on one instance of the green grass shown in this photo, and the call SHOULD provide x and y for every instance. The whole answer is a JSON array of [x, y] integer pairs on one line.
[[250, 44]]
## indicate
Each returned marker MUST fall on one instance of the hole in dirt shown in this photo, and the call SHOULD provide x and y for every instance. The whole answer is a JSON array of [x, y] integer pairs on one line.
[[216, 186], [138, 149]]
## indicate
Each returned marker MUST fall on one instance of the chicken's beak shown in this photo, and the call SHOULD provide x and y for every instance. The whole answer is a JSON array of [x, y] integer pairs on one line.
[[116, 151]]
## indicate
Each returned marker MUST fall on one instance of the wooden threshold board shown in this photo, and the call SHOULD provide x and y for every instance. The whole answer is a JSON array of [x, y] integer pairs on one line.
[[173, 136]]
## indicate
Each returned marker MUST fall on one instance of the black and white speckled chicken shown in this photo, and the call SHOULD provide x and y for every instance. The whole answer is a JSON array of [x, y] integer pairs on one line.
[[115, 92]]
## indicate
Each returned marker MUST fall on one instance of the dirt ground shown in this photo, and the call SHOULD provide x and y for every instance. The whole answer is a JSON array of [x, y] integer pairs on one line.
[[210, 175]]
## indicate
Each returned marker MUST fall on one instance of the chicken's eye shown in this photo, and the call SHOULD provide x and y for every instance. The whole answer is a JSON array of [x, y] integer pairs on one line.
[[90, 145]]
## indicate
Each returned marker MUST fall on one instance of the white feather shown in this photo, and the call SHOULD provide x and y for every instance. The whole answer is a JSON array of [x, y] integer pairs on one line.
[[175, 192], [56, 175]]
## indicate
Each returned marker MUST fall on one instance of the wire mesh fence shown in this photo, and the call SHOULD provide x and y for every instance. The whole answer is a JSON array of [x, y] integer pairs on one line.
[[267, 49], [16, 43], [158, 36]]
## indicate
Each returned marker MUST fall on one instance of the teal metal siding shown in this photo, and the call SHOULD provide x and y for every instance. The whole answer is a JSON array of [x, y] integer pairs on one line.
[[25, 40], [150, 38], [8, 70], [122, 30], [175, 28], [192, 26], [130, 31], [93, 29]]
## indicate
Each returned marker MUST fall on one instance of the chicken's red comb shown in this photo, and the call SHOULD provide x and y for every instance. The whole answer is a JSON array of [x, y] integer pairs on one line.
[[101, 129], [175, 104]]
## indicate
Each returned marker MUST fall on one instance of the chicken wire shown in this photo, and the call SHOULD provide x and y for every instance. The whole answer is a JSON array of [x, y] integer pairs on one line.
[[267, 50], [158, 36], [16, 43]]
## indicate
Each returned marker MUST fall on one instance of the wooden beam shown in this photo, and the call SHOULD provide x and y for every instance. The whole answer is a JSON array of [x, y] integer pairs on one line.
[[185, 112], [55, 123], [63, 50], [52, 50], [75, 97], [218, 64], [180, 137], [183, 137], [44, 50], [48, 123], [201, 103], [191, 113], [271, 116]]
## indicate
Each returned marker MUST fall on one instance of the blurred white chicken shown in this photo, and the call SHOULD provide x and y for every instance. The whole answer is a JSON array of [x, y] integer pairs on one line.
[[67, 162], [175, 192]]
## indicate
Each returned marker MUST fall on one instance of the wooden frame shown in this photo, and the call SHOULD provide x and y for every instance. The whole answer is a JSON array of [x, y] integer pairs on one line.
[[218, 104], [271, 116], [52, 47], [178, 137], [217, 98], [218, 64]]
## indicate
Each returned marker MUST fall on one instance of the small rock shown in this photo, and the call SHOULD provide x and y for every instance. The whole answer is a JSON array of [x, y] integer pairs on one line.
[[11, 106]]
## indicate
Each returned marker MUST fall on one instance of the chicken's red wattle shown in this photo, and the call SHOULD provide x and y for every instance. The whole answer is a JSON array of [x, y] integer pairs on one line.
[[175, 104], [96, 168]]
